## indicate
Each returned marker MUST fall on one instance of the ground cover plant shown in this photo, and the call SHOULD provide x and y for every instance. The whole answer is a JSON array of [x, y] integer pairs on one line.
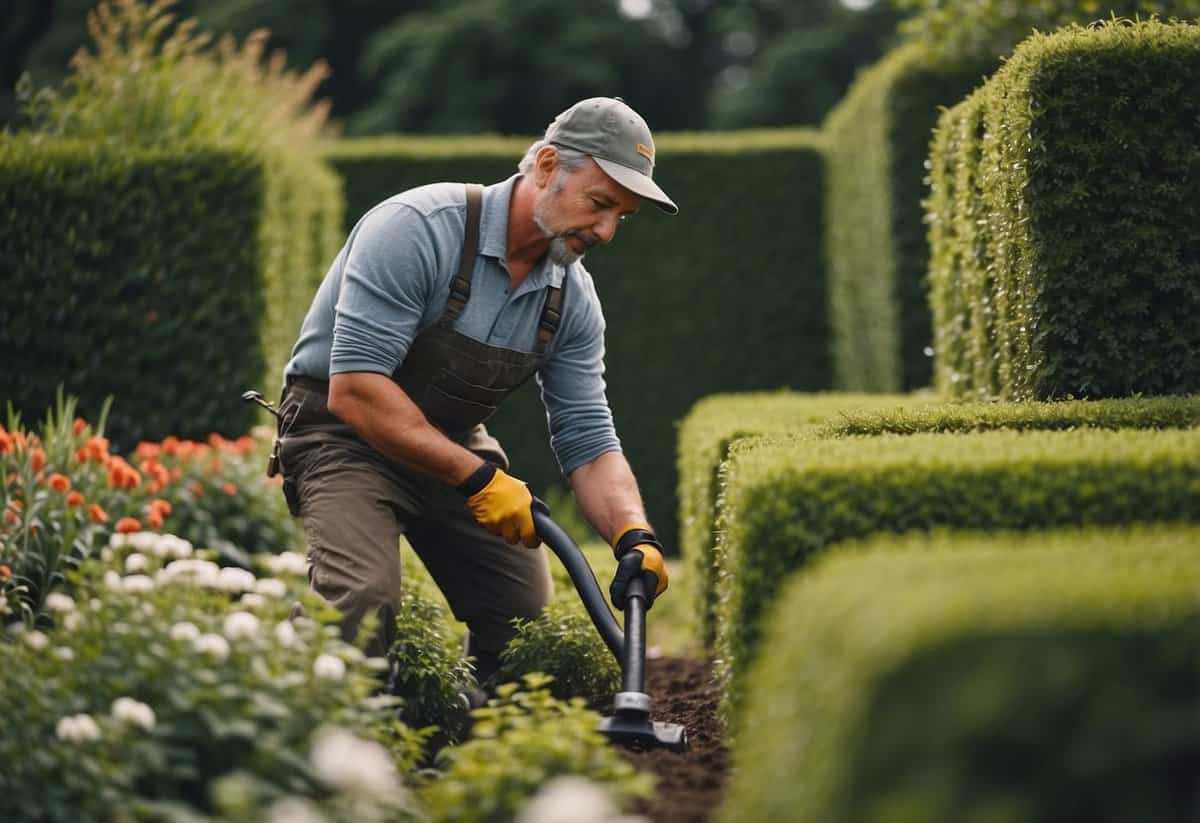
[[972, 677]]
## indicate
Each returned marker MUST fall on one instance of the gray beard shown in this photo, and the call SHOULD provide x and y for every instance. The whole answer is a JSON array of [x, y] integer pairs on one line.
[[560, 253]]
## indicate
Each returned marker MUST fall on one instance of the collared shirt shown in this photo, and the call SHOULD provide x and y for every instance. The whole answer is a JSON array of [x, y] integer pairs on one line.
[[391, 280]]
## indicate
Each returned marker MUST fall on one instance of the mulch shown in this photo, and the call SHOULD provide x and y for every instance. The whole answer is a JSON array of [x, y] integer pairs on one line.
[[690, 784]]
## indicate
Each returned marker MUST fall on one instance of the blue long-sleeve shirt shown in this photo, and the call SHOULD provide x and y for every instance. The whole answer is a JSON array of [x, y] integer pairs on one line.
[[391, 280]]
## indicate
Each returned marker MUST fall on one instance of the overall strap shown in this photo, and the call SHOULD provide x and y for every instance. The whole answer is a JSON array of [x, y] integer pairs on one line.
[[551, 317], [460, 286]]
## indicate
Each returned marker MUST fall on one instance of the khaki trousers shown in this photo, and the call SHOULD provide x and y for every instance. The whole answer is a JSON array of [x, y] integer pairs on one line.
[[355, 505]]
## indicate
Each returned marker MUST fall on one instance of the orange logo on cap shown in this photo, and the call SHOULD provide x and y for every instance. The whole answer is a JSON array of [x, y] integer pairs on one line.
[[646, 152]]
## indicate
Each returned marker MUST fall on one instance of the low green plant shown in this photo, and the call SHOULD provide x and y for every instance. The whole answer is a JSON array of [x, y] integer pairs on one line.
[[169, 686], [563, 643], [522, 739]]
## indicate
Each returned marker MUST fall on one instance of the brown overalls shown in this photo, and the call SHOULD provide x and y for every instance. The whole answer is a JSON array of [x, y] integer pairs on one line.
[[356, 503]]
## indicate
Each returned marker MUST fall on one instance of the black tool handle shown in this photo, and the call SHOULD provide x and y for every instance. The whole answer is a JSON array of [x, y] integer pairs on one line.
[[589, 590], [633, 669]]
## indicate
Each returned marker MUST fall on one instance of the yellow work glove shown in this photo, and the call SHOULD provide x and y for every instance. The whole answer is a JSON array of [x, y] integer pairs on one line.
[[638, 552], [502, 504]]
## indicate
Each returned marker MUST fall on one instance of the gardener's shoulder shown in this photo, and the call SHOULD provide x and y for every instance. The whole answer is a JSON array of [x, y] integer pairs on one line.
[[429, 201]]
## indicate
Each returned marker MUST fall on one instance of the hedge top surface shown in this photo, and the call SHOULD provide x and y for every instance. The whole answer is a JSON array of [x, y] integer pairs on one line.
[[1137, 413], [862, 614], [490, 145]]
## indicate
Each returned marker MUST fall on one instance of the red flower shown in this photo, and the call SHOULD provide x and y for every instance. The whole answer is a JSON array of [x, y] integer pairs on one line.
[[74, 499], [18, 439], [154, 520], [126, 525], [121, 475], [80, 426], [5, 572], [97, 513], [170, 446], [6, 442], [60, 482], [161, 506], [197, 489], [97, 448], [39, 460], [11, 517], [230, 489], [148, 451]]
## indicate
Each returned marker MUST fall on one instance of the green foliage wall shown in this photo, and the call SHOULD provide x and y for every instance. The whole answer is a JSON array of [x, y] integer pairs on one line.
[[969, 677], [160, 276], [1064, 219], [729, 295], [784, 498], [878, 139]]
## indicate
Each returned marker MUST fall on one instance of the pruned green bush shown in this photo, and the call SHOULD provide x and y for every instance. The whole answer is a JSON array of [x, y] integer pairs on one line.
[[1064, 216], [786, 500], [705, 437], [721, 257], [524, 738], [971, 678], [163, 226]]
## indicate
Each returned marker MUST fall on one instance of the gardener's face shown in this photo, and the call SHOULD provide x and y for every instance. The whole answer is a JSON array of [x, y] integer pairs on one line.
[[577, 210]]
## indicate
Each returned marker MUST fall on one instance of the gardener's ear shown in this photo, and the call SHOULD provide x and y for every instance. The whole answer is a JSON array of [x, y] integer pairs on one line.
[[545, 164]]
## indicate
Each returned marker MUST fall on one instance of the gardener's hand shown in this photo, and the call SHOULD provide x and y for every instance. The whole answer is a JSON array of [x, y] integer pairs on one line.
[[638, 552], [502, 504]]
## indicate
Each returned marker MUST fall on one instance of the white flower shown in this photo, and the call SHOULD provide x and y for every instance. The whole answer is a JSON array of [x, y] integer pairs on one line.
[[71, 621], [39, 641], [131, 711], [184, 631], [198, 572], [213, 645], [233, 579], [285, 633], [570, 799], [144, 541], [137, 584], [271, 587], [253, 601], [64, 653], [59, 602], [77, 728], [241, 626], [294, 810], [5, 609], [328, 667], [112, 581], [95, 604], [353, 764], [135, 563], [175, 546], [117, 541], [288, 563]]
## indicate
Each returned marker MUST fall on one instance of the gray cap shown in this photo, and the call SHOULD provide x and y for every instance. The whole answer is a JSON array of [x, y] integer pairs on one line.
[[618, 139]]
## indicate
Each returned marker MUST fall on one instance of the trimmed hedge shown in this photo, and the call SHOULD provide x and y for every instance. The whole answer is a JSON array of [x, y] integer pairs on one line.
[[160, 276], [786, 500], [681, 295], [712, 426], [979, 678], [878, 140], [1064, 220]]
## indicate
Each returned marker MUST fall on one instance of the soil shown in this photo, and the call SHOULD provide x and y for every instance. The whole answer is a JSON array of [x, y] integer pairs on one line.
[[689, 784]]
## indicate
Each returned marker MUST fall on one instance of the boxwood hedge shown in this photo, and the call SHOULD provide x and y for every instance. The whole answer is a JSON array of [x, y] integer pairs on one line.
[[710, 300], [1064, 219], [785, 500], [961, 677], [163, 276]]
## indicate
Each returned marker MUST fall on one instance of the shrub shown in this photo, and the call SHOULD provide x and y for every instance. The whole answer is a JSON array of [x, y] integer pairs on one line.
[[170, 686], [563, 643], [963, 677], [721, 258], [194, 216], [705, 437], [1078, 154], [785, 501], [523, 739]]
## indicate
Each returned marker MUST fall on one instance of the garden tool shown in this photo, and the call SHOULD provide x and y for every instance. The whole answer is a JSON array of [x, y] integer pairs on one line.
[[630, 725]]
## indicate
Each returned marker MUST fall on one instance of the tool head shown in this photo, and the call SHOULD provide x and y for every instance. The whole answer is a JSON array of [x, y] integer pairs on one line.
[[643, 734]]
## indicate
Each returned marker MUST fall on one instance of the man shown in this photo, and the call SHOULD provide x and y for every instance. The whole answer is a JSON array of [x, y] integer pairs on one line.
[[443, 300]]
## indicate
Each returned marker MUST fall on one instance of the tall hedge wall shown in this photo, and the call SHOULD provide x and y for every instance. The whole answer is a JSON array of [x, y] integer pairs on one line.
[[162, 277], [1064, 219], [878, 139], [729, 295], [970, 678], [785, 500]]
